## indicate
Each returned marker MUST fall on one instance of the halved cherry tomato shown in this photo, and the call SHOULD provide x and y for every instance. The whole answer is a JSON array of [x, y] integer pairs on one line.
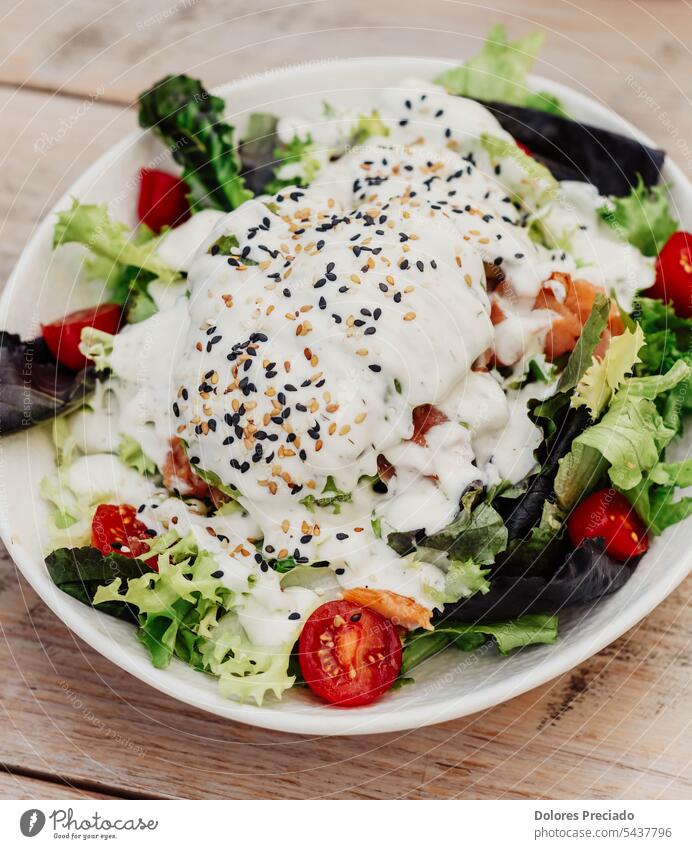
[[62, 336], [116, 528], [349, 655], [425, 416], [523, 147], [608, 514], [674, 274], [162, 199]]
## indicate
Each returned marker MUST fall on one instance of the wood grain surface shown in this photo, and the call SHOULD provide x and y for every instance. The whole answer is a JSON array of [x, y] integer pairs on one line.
[[75, 726]]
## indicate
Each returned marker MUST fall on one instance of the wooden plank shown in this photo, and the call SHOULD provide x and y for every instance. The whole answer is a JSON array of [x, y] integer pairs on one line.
[[613, 728], [115, 49], [14, 786]]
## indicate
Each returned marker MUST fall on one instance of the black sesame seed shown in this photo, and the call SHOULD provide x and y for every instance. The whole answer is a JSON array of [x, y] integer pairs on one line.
[[374, 367], [342, 536]]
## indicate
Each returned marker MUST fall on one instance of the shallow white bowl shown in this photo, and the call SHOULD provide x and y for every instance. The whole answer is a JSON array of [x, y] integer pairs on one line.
[[44, 285]]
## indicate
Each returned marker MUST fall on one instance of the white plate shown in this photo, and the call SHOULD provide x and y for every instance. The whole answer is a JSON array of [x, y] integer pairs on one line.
[[44, 285]]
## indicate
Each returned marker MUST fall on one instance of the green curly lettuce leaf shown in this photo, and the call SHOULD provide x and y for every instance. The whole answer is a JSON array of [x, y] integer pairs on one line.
[[244, 671], [627, 441], [499, 73], [463, 579], [604, 376], [642, 218], [132, 454], [111, 241], [668, 340], [655, 497]]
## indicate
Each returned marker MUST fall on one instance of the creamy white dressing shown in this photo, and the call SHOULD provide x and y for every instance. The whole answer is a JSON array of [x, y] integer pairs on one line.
[[178, 247], [572, 219], [289, 367]]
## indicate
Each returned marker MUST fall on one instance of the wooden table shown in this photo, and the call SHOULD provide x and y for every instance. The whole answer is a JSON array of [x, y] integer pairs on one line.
[[74, 725]]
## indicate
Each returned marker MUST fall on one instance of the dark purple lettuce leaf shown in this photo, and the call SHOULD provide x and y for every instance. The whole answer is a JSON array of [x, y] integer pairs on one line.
[[586, 574], [523, 513], [575, 151], [256, 151], [33, 387]]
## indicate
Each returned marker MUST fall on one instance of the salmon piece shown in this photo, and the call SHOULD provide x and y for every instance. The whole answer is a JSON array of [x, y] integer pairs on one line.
[[496, 313], [580, 298], [565, 329], [572, 314], [178, 475], [425, 416], [400, 609]]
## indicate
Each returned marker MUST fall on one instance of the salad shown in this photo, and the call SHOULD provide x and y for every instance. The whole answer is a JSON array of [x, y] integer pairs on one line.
[[365, 387]]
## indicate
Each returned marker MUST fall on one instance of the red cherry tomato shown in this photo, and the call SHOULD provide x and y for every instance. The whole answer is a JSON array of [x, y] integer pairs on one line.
[[162, 199], [425, 416], [62, 336], [608, 514], [674, 274], [349, 655], [115, 527]]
